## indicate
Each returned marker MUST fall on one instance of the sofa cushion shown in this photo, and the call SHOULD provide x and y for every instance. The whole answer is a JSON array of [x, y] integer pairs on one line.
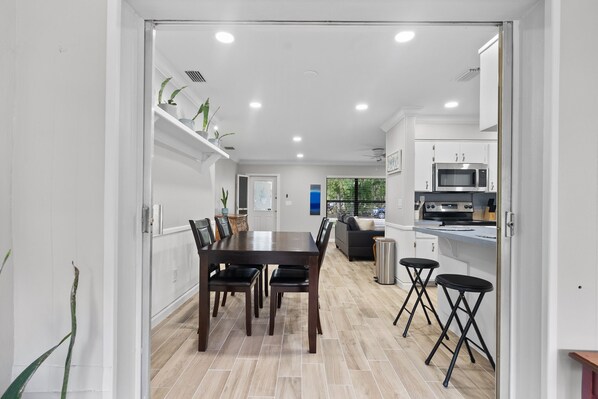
[[352, 223], [365, 224]]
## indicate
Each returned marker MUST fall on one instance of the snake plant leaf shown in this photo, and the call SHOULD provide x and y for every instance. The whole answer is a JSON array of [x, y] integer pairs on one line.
[[15, 390], [162, 89], [206, 114], [175, 93], [5, 260], [199, 111], [69, 355]]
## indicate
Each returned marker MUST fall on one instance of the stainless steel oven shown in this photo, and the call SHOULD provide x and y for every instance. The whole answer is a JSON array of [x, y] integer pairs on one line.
[[460, 177]]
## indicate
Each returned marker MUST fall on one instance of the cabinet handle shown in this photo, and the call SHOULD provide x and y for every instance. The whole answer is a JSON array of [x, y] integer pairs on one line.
[[463, 157], [492, 186], [433, 247], [426, 184], [456, 157]]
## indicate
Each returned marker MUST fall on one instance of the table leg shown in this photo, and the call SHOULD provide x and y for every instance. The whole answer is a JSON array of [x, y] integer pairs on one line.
[[204, 303], [312, 318]]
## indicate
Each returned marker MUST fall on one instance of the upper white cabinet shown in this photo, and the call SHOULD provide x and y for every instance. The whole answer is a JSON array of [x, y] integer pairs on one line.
[[424, 157], [492, 167], [489, 86], [457, 152]]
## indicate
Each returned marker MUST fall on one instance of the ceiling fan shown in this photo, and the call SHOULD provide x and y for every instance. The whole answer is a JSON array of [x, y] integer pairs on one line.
[[377, 153]]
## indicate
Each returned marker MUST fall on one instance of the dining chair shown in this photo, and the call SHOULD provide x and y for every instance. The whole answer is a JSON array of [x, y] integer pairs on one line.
[[296, 279], [240, 279], [225, 230], [318, 239]]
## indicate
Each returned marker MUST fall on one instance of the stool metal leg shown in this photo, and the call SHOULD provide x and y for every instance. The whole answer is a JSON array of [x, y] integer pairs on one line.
[[479, 334], [406, 301], [444, 330], [417, 279], [462, 299], [463, 338]]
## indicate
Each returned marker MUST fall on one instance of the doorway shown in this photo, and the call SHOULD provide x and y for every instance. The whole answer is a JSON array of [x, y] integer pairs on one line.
[[262, 203]]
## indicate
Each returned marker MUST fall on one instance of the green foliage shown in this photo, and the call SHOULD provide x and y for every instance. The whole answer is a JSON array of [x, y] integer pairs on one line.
[[17, 387], [4, 261], [224, 198], [162, 86], [343, 196], [174, 94], [219, 136]]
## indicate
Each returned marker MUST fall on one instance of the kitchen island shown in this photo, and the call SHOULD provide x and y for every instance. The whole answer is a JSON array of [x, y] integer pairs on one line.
[[468, 250]]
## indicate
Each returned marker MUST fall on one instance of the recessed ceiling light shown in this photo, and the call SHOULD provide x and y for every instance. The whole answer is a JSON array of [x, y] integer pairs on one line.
[[225, 37], [361, 107], [215, 127], [255, 104], [297, 139], [451, 104], [299, 155], [404, 36]]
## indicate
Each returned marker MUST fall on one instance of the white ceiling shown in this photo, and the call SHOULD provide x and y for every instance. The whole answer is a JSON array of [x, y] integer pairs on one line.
[[354, 63]]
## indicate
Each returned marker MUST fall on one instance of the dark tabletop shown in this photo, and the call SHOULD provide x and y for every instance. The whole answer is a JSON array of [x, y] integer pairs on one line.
[[292, 243]]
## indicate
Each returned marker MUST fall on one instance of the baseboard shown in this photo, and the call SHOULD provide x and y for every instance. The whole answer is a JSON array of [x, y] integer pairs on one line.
[[174, 305]]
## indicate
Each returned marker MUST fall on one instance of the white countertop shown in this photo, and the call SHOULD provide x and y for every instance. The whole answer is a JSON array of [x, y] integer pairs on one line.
[[485, 235]]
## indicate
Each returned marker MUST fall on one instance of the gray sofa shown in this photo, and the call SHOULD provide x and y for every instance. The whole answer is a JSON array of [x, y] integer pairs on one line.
[[352, 241]]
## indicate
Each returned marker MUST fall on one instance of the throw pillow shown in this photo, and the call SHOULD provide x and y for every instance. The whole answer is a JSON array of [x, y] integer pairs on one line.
[[365, 224]]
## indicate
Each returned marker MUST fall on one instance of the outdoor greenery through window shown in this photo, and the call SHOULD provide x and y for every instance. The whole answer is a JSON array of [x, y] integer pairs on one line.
[[364, 197]]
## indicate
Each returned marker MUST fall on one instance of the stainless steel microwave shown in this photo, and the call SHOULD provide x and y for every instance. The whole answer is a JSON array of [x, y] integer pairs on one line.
[[460, 177]]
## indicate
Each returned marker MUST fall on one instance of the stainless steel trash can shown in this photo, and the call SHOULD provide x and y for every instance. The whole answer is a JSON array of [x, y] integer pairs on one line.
[[385, 261]]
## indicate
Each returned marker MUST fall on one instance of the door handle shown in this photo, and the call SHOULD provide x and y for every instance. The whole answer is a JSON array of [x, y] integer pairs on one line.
[[463, 157], [456, 156]]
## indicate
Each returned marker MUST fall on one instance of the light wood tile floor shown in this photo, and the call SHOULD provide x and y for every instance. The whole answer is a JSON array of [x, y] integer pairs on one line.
[[360, 355]]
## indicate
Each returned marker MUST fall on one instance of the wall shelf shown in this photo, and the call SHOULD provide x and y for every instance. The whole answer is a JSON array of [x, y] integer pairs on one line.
[[172, 134]]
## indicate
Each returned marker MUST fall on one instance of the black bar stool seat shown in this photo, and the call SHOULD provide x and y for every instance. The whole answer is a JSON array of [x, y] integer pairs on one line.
[[418, 265], [463, 284]]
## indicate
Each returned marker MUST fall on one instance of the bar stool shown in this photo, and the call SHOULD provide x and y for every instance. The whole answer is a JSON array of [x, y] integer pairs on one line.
[[418, 265], [462, 284]]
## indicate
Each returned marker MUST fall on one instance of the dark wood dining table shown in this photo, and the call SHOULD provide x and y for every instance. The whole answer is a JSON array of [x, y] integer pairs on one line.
[[260, 247]]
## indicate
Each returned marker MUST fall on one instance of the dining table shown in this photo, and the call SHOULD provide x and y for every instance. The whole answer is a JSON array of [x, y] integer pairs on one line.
[[260, 247]]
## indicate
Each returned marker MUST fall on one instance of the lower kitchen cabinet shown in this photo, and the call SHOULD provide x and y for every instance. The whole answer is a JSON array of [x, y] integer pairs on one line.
[[426, 246]]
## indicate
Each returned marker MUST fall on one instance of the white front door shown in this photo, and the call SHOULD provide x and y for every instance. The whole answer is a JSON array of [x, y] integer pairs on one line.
[[262, 203]]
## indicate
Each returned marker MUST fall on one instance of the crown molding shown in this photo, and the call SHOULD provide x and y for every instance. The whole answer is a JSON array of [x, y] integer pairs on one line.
[[399, 116]]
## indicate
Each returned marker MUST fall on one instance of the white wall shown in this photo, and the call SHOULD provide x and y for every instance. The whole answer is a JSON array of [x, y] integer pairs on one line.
[[226, 177], [528, 204], [577, 274], [7, 88], [294, 183], [58, 186], [445, 129]]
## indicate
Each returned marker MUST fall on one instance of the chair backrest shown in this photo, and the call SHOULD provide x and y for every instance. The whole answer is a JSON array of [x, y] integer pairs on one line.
[[202, 232], [319, 237], [323, 245], [223, 226]]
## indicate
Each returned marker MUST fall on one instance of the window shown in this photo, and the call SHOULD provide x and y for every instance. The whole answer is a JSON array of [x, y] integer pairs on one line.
[[356, 196]]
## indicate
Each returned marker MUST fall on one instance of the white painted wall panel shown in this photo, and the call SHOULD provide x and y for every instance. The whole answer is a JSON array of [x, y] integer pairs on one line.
[[7, 88], [58, 187]]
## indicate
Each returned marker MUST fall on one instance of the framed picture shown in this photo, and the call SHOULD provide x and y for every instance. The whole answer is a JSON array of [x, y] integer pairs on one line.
[[314, 199], [394, 162]]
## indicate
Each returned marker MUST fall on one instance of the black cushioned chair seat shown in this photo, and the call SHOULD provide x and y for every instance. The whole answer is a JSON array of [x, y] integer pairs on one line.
[[460, 282], [259, 267], [290, 277], [420, 263], [238, 276]]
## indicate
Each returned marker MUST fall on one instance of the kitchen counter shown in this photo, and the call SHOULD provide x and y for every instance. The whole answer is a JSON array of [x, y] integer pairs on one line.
[[483, 235], [467, 250]]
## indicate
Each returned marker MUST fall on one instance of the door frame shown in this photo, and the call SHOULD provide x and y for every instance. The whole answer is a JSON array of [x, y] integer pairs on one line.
[[504, 191], [277, 176]]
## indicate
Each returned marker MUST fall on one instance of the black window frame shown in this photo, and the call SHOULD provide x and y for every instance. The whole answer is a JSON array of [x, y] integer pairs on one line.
[[356, 201]]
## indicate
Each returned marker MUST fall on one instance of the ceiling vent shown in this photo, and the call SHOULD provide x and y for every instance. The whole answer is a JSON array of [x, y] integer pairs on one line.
[[195, 76], [229, 148], [468, 74]]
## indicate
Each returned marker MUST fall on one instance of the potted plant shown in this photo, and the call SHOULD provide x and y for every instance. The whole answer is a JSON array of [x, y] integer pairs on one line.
[[169, 106], [204, 109], [224, 200], [218, 137]]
